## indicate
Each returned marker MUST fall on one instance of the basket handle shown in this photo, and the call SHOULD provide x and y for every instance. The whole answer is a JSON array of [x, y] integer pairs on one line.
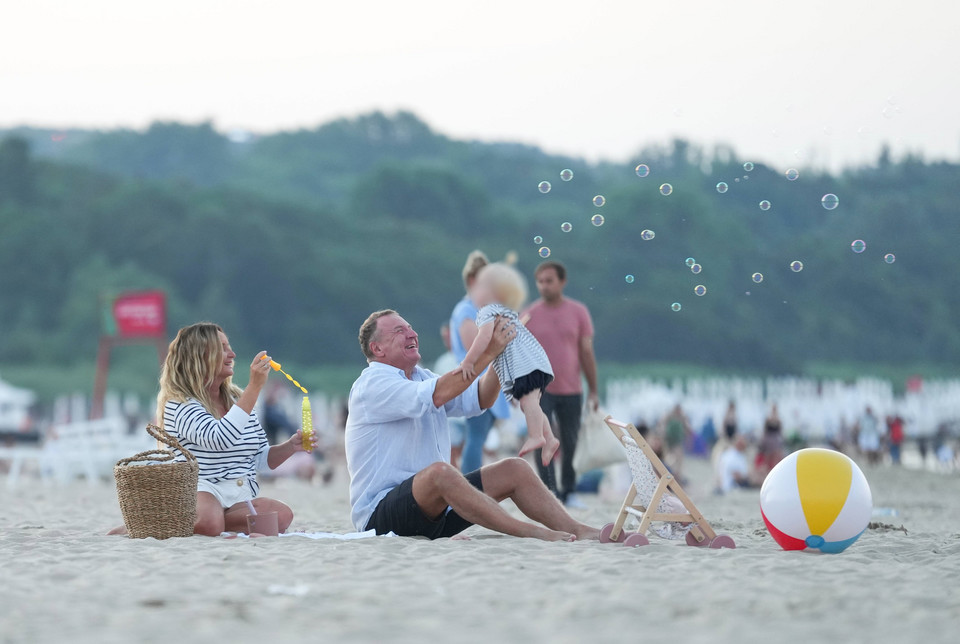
[[164, 437], [159, 454]]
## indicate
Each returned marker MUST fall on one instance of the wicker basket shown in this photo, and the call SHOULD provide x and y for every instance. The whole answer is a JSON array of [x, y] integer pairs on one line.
[[158, 496]]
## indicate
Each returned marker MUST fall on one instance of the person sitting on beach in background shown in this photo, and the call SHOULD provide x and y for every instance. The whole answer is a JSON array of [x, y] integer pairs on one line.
[[398, 447], [523, 367], [214, 420], [733, 471]]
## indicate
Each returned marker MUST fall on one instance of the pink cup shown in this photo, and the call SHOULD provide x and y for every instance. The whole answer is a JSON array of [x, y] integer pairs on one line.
[[264, 523]]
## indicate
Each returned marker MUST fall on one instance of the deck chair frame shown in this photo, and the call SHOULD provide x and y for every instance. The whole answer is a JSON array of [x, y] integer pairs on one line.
[[701, 532]]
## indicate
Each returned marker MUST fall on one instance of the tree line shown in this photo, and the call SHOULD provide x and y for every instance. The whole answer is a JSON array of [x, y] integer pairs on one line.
[[289, 240]]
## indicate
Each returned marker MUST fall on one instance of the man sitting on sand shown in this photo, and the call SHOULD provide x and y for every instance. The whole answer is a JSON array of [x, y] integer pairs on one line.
[[398, 447]]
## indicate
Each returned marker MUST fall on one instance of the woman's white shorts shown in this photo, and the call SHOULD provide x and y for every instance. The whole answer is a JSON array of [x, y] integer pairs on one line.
[[228, 493]]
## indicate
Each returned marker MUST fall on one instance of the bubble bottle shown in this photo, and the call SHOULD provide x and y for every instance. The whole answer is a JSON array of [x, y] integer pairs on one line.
[[307, 429]]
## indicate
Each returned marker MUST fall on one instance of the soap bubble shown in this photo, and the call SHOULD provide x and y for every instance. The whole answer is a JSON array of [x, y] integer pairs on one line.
[[736, 180], [598, 201], [830, 201], [858, 246], [796, 266], [628, 279], [544, 252], [764, 205], [642, 170], [675, 306], [792, 174], [544, 187], [690, 261], [889, 258], [695, 269], [700, 289], [597, 220], [647, 235], [757, 277], [566, 174], [666, 189], [566, 226], [748, 167], [722, 187], [538, 240]]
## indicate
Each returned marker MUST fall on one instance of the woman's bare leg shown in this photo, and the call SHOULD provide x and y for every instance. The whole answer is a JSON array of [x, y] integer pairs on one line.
[[210, 516], [235, 517]]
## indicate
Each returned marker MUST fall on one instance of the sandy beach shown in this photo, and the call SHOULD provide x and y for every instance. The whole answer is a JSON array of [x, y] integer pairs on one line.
[[64, 580]]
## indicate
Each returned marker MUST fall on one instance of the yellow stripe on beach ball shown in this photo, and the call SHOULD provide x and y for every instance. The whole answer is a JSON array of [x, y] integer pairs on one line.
[[823, 481]]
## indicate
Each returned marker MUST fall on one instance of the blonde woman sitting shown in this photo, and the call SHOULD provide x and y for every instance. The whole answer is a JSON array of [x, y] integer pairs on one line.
[[214, 419]]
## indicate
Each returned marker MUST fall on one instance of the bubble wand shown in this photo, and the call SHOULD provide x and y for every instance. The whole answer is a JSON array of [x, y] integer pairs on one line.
[[306, 431], [276, 367]]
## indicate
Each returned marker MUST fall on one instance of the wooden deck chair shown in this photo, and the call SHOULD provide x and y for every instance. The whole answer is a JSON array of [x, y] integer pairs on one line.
[[647, 499]]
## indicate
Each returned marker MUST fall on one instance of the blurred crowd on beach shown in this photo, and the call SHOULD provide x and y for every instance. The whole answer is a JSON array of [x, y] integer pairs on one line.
[[763, 419]]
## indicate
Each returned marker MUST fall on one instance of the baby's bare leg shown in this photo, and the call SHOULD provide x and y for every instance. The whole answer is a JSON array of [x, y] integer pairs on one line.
[[535, 417], [538, 428], [551, 444], [530, 406]]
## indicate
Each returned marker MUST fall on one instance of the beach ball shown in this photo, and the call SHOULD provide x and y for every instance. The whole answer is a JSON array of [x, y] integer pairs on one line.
[[816, 498]]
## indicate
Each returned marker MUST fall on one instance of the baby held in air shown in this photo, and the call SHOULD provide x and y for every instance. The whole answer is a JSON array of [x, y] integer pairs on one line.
[[523, 367]]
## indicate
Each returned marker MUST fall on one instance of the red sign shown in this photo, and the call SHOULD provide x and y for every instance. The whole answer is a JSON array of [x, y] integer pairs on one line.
[[141, 315]]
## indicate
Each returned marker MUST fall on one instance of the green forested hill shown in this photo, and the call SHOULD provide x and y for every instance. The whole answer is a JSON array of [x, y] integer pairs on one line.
[[289, 240]]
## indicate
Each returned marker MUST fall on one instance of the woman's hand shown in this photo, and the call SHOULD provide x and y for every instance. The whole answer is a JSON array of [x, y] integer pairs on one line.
[[297, 440], [259, 370], [282, 451]]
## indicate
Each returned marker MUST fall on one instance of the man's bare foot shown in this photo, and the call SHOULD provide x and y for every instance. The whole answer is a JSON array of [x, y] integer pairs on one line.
[[120, 529], [550, 447], [586, 533], [556, 535], [531, 444]]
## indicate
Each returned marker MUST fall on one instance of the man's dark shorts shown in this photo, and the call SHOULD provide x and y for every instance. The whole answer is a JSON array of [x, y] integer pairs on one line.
[[399, 512]]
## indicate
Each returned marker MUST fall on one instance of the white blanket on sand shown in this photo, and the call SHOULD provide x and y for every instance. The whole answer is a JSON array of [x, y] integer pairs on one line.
[[319, 535]]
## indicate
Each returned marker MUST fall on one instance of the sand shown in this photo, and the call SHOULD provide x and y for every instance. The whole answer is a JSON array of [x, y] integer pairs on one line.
[[64, 580]]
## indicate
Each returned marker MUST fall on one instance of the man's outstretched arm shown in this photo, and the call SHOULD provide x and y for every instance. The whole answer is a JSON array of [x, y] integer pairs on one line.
[[451, 384]]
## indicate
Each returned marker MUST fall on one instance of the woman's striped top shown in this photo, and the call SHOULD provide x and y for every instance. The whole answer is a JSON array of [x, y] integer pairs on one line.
[[522, 356], [232, 447]]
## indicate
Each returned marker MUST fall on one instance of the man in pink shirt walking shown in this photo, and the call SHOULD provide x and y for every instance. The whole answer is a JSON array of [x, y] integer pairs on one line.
[[564, 328]]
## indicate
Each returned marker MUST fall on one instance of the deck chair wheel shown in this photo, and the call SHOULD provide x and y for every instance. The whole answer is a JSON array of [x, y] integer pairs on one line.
[[722, 541], [692, 541], [605, 532], [636, 540]]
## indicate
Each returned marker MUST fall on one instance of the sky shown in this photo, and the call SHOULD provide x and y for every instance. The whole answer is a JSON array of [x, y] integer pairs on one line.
[[792, 84]]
